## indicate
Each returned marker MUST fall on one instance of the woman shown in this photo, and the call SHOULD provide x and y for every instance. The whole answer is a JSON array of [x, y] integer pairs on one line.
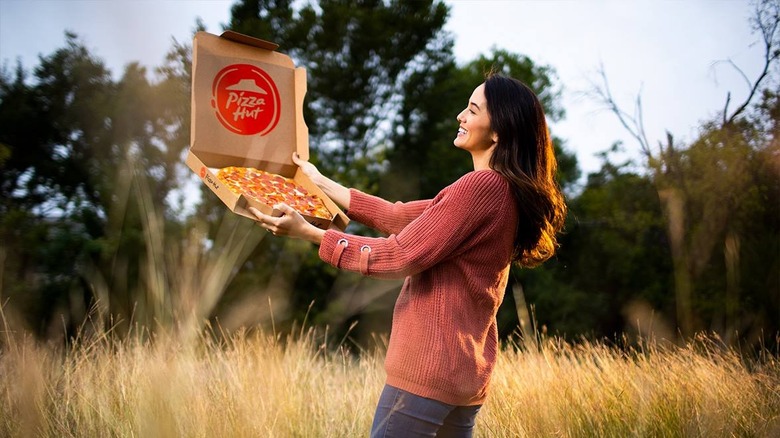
[[454, 252]]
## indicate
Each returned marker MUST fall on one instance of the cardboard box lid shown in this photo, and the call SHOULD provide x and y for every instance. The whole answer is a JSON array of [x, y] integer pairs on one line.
[[247, 102]]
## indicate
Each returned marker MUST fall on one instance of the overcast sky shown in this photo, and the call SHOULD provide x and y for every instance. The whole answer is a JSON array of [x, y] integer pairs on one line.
[[669, 50]]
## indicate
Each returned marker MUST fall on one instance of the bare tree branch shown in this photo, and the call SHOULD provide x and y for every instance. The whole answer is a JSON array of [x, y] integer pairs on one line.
[[633, 124], [640, 120], [767, 20], [735, 67]]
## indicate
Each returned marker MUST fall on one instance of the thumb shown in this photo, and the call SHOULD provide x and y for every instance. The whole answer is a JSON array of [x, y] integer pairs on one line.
[[297, 159]]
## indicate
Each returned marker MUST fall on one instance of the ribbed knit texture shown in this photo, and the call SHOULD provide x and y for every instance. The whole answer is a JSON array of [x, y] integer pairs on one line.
[[455, 252]]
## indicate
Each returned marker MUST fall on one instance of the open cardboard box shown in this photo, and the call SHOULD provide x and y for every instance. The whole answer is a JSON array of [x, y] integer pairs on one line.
[[247, 111]]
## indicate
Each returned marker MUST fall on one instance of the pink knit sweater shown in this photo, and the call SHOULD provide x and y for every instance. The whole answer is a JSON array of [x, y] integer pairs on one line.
[[455, 252]]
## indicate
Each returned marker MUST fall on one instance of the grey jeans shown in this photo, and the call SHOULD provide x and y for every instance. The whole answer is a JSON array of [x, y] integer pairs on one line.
[[403, 414]]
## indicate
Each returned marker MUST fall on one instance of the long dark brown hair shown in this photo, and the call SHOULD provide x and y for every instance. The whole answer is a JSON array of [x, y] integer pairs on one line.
[[525, 156]]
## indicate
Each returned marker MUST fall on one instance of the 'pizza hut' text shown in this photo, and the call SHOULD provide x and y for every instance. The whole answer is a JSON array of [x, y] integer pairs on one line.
[[247, 106], [211, 181]]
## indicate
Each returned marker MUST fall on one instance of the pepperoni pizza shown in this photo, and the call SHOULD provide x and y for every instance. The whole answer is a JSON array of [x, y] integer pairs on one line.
[[271, 189]]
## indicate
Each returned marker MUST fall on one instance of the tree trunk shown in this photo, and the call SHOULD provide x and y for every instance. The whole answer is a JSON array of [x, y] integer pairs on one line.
[[731, 253], [674, 208]]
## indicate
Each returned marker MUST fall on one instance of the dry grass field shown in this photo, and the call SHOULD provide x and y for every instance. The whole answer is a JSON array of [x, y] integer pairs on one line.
[[304, 385]]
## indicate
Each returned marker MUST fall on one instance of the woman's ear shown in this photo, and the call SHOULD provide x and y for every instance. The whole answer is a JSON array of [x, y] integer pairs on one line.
[[494, 137]]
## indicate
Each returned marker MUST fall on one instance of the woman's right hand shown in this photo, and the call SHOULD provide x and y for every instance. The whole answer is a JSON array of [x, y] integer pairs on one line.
[[335, 191], [308, 169]]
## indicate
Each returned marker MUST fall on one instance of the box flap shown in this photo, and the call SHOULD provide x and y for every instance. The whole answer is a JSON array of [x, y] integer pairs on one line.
[[248, 40]]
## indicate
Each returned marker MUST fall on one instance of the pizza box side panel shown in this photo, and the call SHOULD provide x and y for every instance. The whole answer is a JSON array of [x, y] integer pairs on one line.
[[243, 209], [248, 40], [230, 199], [301, 129], [340, 220]]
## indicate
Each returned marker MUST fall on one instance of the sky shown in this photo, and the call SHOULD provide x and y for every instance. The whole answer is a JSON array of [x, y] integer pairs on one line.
[[671, 52]]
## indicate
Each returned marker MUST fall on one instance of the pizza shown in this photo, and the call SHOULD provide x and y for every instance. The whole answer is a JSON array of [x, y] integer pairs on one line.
[[271, 189]]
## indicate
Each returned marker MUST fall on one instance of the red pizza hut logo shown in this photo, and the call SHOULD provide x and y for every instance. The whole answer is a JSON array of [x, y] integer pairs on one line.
[[203, 172], [246, 100]]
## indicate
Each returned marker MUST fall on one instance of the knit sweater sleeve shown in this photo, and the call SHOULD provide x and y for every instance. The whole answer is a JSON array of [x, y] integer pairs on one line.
[[382, 215], [457, 215]]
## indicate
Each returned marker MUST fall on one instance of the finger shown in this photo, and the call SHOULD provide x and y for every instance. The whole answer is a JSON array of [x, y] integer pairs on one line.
[[261, 217], [284, 208], [297, 159], [263, 220]]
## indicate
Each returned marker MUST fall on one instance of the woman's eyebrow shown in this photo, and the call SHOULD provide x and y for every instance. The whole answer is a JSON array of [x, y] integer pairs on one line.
[[472, 103]]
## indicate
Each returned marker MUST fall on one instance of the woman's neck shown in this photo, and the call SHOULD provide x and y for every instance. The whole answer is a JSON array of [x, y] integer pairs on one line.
[[481, 159]]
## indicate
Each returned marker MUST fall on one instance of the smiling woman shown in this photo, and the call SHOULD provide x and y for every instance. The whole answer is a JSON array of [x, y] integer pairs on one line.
[[454, 252]]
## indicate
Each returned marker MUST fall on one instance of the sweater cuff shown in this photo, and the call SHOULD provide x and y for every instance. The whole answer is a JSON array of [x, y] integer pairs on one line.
[[329, 246]]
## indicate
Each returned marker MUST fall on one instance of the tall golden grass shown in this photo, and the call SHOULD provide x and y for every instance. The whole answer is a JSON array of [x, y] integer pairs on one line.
[[302, 385], [250, 385]]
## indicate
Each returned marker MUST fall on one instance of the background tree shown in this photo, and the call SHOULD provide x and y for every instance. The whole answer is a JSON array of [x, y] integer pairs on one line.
[[359, 54], [79, 147], [612, 257], [423, 159], [49, 175], [709, 190]]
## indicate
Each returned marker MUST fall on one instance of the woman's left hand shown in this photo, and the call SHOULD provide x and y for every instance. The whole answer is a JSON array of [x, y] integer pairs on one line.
[[290, 224]]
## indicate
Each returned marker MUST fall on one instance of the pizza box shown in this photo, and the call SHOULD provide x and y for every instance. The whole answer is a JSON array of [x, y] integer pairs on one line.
[[247, 111]]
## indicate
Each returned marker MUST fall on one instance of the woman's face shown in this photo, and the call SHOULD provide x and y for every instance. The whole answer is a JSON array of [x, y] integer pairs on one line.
[[474, 133]]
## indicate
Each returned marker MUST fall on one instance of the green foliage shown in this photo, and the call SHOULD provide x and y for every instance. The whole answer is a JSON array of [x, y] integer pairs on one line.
[[77, 145], [358, 55], [613, 252], [423, 159]]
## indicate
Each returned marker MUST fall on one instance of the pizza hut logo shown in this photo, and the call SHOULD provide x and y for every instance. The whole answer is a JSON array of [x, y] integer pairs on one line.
[[202, 172], [246, 99]]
